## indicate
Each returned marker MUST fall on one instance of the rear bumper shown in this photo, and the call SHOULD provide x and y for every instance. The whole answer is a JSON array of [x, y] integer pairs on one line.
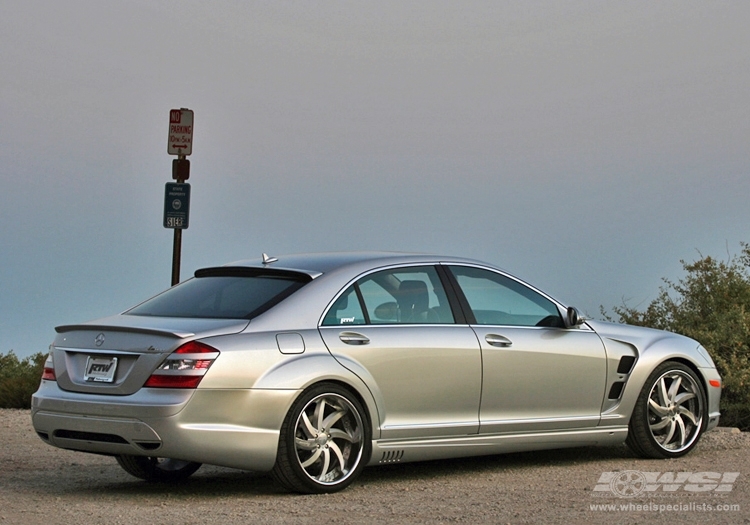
[[234, 428]]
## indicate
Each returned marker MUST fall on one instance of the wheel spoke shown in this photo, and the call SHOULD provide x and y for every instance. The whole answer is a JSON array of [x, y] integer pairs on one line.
[[326, 464], [670, 433], [312, 459], [684, 396], [681, 427], [661, 424], [339, 456], [674, 387], [335, 433], [657, 409], [307, 426], [684, 412], [319, 413], [331, 419], [662, 390], [305, 444]]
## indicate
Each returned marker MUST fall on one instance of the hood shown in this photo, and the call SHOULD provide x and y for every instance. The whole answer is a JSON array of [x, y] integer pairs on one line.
[[643, 339]]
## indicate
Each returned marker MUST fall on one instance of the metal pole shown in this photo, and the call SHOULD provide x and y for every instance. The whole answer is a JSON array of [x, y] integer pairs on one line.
[[177, 244], [176, 251]]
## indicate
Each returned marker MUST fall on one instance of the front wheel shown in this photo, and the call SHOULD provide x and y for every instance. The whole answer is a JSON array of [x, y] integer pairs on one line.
[[157, 469], [669, 416], [324, 442]]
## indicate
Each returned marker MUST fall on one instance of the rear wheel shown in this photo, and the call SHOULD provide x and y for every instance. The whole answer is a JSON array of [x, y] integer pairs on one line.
[[324, 442], [157, 469], [669, 416]]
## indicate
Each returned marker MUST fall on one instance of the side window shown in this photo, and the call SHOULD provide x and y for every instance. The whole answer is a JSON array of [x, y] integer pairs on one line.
[[498, 300], [346, 310], [405, 296]]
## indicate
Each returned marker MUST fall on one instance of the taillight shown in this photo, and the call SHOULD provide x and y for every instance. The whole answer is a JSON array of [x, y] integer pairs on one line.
[[48, 373], [184, 368]]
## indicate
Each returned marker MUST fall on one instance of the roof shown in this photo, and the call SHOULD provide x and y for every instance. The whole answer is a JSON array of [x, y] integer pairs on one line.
[[315, 264]]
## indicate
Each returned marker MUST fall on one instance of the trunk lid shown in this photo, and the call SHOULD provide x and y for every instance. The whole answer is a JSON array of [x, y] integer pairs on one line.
[[116, 355]]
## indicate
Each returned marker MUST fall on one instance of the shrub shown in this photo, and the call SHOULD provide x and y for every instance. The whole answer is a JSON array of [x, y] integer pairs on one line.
[[19, 379], [712, 305]]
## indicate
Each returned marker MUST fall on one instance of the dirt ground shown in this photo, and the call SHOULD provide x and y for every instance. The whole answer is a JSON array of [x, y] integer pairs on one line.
[[40, 484]]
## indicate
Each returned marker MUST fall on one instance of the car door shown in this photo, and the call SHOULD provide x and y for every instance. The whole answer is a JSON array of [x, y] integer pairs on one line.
[[396, 330], [537, 374]]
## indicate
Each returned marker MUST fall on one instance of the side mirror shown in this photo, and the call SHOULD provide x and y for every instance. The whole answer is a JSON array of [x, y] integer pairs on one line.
[[573, 318]]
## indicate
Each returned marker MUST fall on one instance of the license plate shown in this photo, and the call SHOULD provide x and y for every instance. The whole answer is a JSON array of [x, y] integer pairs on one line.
[[100, 369]]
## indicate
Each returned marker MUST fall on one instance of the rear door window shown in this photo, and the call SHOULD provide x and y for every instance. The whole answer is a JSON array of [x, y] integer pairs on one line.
[[412, 295]]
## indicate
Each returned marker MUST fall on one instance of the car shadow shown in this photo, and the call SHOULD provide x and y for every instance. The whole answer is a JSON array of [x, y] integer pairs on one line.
[[221, 482], [507, 462]]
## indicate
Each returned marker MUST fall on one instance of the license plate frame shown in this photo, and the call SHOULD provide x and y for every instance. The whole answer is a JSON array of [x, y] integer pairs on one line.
[[100, 369]]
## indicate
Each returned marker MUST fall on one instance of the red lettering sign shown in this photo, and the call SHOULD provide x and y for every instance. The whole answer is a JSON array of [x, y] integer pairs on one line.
[[180, 138]]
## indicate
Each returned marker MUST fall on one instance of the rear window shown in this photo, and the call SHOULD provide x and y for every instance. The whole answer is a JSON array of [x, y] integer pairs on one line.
[[224, 293]]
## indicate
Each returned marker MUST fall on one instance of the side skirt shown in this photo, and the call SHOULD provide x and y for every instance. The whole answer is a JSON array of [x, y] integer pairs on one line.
[[404, 451]]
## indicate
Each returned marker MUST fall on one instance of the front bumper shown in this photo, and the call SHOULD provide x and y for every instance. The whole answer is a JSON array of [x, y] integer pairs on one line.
[[713, 395]]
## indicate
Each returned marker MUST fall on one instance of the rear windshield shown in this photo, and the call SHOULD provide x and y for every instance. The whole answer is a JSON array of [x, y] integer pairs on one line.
[[224, 293]]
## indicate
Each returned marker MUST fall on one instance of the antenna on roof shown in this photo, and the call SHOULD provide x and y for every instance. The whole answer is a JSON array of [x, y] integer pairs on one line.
[[268, 260]]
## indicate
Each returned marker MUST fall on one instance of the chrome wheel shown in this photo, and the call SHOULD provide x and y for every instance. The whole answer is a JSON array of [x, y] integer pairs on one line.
[[675, 411], [324, 443], [668, 417], [328, 438]]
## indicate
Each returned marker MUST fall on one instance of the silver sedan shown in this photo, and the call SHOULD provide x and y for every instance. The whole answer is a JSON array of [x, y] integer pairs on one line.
[[312, 367]]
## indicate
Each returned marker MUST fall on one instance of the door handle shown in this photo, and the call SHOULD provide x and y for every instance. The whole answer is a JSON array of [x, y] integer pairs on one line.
[[498, 340], [353, 338]]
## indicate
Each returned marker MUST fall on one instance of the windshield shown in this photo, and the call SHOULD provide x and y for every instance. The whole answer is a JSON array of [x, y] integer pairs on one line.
[[224, 293]]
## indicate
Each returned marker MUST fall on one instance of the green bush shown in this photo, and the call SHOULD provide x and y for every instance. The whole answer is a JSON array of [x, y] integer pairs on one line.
[[19, 379], [711, 305]]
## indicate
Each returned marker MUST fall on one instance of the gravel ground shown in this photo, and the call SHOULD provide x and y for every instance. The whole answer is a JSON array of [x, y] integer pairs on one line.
[[40, 484]]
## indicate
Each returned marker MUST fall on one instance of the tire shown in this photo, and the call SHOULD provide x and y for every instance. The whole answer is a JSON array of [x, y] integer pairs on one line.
[[163, 470], [324, 442], [670, 414]]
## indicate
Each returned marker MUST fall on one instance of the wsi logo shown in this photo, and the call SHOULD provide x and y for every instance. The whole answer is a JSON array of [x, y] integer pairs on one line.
[[631, 483]]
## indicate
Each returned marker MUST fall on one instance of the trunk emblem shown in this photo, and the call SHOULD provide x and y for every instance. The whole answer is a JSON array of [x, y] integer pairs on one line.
[[99, 340]]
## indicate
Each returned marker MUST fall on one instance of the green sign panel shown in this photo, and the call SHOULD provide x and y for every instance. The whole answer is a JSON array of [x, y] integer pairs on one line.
[[176, 205]]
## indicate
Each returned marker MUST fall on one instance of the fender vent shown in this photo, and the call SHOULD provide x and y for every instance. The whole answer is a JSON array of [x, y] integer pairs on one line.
[[626, 364], [392, 456], [616, 390]]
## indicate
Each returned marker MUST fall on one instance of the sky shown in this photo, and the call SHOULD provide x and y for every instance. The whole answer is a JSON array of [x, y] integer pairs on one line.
[[586, 147]]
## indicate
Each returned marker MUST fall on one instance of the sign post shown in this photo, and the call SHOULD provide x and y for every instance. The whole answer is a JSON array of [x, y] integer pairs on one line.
[[177, 195]]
